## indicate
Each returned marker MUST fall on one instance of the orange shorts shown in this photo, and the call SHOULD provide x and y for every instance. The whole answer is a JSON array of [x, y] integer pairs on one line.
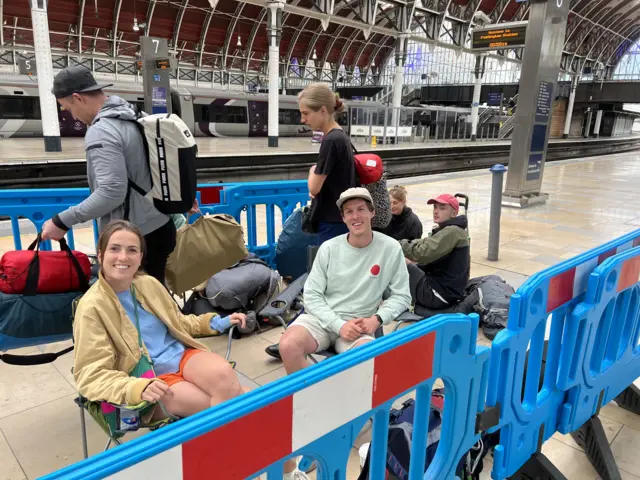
[[173, 378]]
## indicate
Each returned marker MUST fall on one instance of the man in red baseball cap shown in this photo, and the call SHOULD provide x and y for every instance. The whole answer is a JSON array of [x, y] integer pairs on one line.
[[443, 200], [439, 265]]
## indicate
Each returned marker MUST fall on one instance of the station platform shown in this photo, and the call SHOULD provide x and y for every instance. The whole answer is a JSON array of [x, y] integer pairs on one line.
[[21, 150], [592, 200]]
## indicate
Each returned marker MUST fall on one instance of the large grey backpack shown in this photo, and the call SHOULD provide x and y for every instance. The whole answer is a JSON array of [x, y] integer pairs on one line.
[[246, 287], [494, 298]]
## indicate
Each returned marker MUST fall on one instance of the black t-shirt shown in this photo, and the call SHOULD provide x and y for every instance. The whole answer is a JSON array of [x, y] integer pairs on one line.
[[336, 161]]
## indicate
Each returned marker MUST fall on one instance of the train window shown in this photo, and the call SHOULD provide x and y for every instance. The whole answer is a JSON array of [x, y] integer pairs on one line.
[[343, 119], [25, 108], [200, 112], [226, 114], [289, 117], [237, 115], [217, 113]]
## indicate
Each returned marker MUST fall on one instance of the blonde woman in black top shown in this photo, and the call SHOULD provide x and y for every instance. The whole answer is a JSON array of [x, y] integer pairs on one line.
[[335, 171]]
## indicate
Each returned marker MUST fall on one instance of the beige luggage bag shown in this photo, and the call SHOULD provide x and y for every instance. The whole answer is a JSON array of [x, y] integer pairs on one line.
[[204, 248]]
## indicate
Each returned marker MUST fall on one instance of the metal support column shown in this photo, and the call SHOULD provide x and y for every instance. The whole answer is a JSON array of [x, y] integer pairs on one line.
[[477, 88], [274, 33], [596, 128], [497, 172], [572, 99], [48, 105], [538, 81], [398, 79], [587, 125], [156, 68]]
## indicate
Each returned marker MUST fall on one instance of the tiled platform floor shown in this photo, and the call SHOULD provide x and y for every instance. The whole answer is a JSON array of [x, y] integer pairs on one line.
[[592, 201]]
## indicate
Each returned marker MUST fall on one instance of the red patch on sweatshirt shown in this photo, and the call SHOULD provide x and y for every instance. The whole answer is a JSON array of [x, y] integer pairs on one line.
[[375, 270]]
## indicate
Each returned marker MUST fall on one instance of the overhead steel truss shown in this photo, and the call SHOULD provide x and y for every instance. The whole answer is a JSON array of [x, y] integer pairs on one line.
[[599, 32]]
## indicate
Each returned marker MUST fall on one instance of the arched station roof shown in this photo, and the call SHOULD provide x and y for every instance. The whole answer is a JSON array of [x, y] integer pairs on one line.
[[230, 35]]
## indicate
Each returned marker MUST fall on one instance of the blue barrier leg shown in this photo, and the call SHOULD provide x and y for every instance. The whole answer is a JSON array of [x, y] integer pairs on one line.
[[96, 235], [251, 226], [420, 431], [271, 234], [534, 367], [271, 224], [15, 230], [379, 445]]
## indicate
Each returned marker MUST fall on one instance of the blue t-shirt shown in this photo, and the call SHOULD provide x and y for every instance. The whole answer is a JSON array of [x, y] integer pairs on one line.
[[164, 349], [166, 352]]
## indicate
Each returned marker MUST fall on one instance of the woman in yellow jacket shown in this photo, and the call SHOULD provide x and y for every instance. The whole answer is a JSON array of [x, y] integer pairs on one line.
[[127, 322]]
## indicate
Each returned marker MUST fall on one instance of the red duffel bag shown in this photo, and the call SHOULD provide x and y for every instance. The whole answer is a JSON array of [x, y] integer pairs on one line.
[[33, 271]]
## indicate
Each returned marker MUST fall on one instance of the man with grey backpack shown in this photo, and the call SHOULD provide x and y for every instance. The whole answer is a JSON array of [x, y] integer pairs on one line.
[[122, 181]]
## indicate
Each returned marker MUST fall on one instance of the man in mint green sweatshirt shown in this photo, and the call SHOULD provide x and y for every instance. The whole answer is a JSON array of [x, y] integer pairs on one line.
[[343, 293]]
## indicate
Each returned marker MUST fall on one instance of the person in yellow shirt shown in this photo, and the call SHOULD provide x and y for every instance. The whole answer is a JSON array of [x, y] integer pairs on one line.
[[128, 322]]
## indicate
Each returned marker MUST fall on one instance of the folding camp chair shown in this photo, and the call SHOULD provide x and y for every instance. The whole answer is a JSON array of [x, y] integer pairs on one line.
[[114, 435], [113, 432]]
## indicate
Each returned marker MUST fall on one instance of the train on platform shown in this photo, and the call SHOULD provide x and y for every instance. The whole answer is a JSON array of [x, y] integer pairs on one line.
[[209, 112]]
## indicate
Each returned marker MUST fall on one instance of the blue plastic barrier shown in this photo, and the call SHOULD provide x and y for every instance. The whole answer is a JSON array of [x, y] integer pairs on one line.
[[319, 411], [39, 205], [592, 301], [526, 421], [602, 340]]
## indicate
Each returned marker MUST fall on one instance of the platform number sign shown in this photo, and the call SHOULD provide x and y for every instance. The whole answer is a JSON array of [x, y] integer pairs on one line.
[[27, 66]]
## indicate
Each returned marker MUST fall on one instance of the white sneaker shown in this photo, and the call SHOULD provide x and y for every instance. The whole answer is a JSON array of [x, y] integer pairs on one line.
[[295, 475]]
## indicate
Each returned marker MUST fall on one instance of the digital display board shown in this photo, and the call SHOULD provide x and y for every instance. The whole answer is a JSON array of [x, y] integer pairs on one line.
[[163, 64], [498, 37], [158, 100], [494, 99]]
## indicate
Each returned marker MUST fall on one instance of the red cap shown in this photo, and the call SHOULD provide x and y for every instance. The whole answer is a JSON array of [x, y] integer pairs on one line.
[[446, 199]]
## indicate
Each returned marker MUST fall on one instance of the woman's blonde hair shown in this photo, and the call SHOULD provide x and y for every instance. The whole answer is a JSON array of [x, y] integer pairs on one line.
[[399, 193], [117, 226], [318, 95]]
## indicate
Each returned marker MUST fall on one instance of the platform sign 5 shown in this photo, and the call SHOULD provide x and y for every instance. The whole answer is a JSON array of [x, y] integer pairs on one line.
[[27, 66]]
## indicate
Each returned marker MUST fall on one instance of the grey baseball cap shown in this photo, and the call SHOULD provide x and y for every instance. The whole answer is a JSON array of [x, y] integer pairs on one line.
[[75, 79]]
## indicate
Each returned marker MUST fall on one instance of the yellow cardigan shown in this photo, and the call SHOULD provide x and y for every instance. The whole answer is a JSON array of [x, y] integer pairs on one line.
[[106, 340]]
